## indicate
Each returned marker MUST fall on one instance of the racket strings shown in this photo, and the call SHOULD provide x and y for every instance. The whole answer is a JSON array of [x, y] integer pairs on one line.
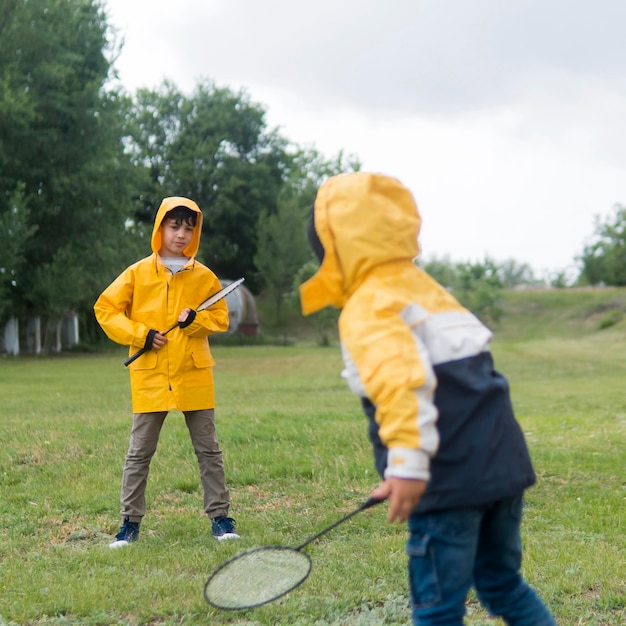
[[257, 577]]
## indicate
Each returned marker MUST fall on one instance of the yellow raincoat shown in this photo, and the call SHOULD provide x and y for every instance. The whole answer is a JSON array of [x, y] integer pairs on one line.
[[147, 296]]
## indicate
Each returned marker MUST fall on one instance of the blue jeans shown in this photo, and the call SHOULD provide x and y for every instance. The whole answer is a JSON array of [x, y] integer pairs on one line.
[[451, 551]]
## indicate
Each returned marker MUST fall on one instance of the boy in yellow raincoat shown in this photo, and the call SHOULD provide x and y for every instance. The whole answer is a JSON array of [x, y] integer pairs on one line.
[[177, 371], [451, 453]]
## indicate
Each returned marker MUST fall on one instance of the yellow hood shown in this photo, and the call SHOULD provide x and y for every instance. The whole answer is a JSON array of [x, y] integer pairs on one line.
[[363, 221], [167, 205]]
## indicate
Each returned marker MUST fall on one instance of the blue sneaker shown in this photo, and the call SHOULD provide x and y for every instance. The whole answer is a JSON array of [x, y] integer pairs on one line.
[[128, 533], [224, 528]]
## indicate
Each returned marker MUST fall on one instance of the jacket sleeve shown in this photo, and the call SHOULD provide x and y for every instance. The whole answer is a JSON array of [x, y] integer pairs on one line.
[[393, 369], [111, 311], [209, 321]]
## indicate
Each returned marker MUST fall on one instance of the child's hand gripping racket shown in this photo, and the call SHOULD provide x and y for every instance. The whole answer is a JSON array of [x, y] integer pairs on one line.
[[262, 575], [209, 302]]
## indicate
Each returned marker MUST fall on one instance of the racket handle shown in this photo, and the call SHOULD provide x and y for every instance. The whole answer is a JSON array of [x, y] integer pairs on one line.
[[134, 357], [370, 502]]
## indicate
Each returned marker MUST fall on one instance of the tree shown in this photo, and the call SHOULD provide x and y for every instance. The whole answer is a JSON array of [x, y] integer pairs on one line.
[[214, 147], [282, 249], [323, 322], [62, 151], [478, 288], [15, 231], [476, 285], [604, 258], [513, 274], [443, 270], [309, 169], [83, 167]]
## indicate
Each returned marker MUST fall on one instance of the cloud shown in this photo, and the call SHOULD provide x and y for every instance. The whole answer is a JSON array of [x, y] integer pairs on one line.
[[504, 118], [407, 55]]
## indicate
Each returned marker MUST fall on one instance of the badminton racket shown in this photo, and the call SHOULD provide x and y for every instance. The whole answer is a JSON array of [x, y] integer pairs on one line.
[[209, 302], [261, 575]]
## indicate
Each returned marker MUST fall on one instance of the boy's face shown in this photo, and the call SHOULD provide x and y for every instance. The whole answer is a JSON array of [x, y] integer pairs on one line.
[[175, 237]]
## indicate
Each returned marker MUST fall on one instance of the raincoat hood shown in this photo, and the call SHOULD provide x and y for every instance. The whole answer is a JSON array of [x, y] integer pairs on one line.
[[167, 205], [363, 221]]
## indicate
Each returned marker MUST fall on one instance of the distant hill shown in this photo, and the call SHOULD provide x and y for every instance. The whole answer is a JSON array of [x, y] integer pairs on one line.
[[567, 313]]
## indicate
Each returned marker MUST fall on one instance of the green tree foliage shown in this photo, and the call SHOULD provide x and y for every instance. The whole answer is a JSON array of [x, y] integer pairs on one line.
[[309, 169], [513, 274], [214, 147], [61, 153], [282, 247], [443, 270], [323, 322], [604, 259], [15, 231], [478, 288], [83, 168], [476, 285]]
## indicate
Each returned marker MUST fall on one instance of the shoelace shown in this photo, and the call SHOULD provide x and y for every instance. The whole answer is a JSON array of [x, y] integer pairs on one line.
[[226, 524], [128, 529]]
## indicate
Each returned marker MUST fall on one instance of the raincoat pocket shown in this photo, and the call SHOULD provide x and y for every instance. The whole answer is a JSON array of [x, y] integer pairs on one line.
[[147, 361], [202, 358]]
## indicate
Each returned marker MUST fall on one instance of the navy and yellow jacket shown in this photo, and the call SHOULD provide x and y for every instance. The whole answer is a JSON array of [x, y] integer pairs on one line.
[[441, 411]]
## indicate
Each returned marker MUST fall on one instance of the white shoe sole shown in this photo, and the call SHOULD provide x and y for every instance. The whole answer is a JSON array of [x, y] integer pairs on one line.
[[227, 536], [118, 543]]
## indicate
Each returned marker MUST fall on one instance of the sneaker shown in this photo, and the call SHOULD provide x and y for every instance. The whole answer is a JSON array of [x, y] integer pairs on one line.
[[128, 533], [224, 528]]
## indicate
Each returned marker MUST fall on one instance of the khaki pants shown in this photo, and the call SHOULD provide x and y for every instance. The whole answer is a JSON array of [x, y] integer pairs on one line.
[[144, 438]]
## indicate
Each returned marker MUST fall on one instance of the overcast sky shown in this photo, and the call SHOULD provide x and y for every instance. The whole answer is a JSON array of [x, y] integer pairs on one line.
[[505, 118]]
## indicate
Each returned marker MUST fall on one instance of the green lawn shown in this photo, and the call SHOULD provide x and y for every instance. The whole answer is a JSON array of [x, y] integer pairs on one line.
[[297, 459]]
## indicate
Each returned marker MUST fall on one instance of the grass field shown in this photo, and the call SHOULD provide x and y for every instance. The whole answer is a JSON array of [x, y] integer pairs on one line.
[[297, 459]]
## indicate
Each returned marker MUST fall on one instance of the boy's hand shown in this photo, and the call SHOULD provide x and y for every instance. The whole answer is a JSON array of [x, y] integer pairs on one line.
[[158, 341], [186, 317], [154, 340], [403, 494], [184, 314]]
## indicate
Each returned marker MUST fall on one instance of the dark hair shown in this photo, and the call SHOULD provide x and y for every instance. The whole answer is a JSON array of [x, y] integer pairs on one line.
[[311, 233], [182, 214]]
